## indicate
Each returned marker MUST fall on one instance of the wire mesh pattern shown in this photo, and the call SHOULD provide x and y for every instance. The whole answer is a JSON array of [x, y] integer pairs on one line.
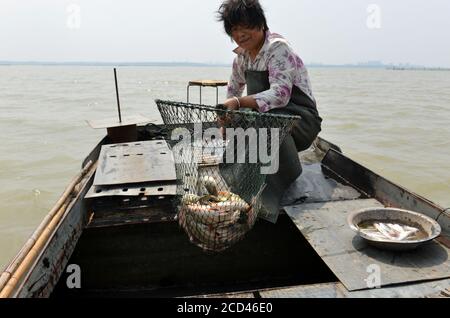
[[219, 165]]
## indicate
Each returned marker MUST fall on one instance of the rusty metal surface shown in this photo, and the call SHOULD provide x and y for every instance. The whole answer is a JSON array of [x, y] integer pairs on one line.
[[158, 211], [350, 258], [137, 162]]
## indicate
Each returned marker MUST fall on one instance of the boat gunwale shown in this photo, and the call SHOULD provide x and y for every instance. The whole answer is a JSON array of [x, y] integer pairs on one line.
[[84, 187]]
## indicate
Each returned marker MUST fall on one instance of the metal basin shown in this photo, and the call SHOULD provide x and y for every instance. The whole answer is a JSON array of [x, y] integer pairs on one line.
[[429, 228]]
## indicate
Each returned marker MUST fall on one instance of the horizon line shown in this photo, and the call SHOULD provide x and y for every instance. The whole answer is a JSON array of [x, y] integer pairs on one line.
[[375, 64]]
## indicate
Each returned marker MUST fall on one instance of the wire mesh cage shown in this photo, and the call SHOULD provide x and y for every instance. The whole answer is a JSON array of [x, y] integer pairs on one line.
[[222, 159]]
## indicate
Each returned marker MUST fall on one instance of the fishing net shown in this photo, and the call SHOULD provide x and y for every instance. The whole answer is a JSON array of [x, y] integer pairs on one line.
[[222, 159]]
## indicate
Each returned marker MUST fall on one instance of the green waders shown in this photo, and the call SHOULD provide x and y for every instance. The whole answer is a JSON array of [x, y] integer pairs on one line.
[[302, 136]]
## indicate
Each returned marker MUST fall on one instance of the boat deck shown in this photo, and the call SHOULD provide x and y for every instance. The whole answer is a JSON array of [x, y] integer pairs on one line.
[[310, 252], [127, 250]]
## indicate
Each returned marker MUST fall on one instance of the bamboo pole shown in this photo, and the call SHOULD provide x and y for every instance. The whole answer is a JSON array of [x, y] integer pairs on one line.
[[31, 249], [32, 254]]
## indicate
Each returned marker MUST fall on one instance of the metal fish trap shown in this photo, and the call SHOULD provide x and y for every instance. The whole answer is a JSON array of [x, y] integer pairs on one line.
[[222, 159]]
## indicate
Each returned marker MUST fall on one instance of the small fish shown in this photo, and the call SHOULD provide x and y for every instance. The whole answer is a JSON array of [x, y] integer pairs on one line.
[[233, 206], [407, 233], [396, 227], [373, 234], [208, 215], [190, 199], [216, 220], [385, 230], [210, 185], [391, 231], [214, 238], [208, 199], [199, 232], [223, 201]]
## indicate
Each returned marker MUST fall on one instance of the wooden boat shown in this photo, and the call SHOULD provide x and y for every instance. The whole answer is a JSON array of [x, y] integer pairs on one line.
[[309, 252]]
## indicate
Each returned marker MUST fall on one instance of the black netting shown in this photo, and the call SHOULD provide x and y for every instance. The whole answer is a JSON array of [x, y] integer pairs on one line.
[[219, 156]]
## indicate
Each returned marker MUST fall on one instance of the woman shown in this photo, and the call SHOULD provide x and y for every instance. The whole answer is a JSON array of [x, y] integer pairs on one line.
[[277, 82]]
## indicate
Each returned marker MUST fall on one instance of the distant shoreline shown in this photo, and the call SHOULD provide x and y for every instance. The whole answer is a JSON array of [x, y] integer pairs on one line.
[[168, 64], [191, 64], [398, 68]]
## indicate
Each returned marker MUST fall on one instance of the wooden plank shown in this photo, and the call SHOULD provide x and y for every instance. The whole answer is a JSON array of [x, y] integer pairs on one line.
[[329, 290], [242, 295], [352, 260], [208, 83], [337, 290]]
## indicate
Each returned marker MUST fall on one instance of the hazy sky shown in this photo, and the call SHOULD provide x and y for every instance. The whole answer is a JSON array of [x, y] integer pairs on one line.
[[327, 31]]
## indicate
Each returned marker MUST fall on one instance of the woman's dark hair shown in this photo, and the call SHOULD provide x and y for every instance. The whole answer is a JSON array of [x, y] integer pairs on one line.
[[248, 13]]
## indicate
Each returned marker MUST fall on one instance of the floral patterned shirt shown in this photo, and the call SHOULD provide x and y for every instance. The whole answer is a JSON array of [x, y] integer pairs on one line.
[[285, 67]]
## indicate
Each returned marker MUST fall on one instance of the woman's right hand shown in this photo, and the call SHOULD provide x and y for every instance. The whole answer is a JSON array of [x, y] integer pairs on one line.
[[223, 119], [231, 104]]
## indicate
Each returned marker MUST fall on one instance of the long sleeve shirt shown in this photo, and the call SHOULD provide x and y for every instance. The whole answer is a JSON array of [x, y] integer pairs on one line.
[[285, 67]]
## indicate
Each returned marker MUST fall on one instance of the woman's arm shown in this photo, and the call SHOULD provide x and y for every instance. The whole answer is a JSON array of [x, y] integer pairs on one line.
[[236, 88], [236, 84], [235, 103], [283, 64]]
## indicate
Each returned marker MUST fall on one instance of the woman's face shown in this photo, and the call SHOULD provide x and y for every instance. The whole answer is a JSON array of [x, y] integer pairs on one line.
[[250, 39]]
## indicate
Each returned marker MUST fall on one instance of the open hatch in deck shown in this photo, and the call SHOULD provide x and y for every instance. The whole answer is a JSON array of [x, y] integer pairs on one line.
[[158, 260]]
